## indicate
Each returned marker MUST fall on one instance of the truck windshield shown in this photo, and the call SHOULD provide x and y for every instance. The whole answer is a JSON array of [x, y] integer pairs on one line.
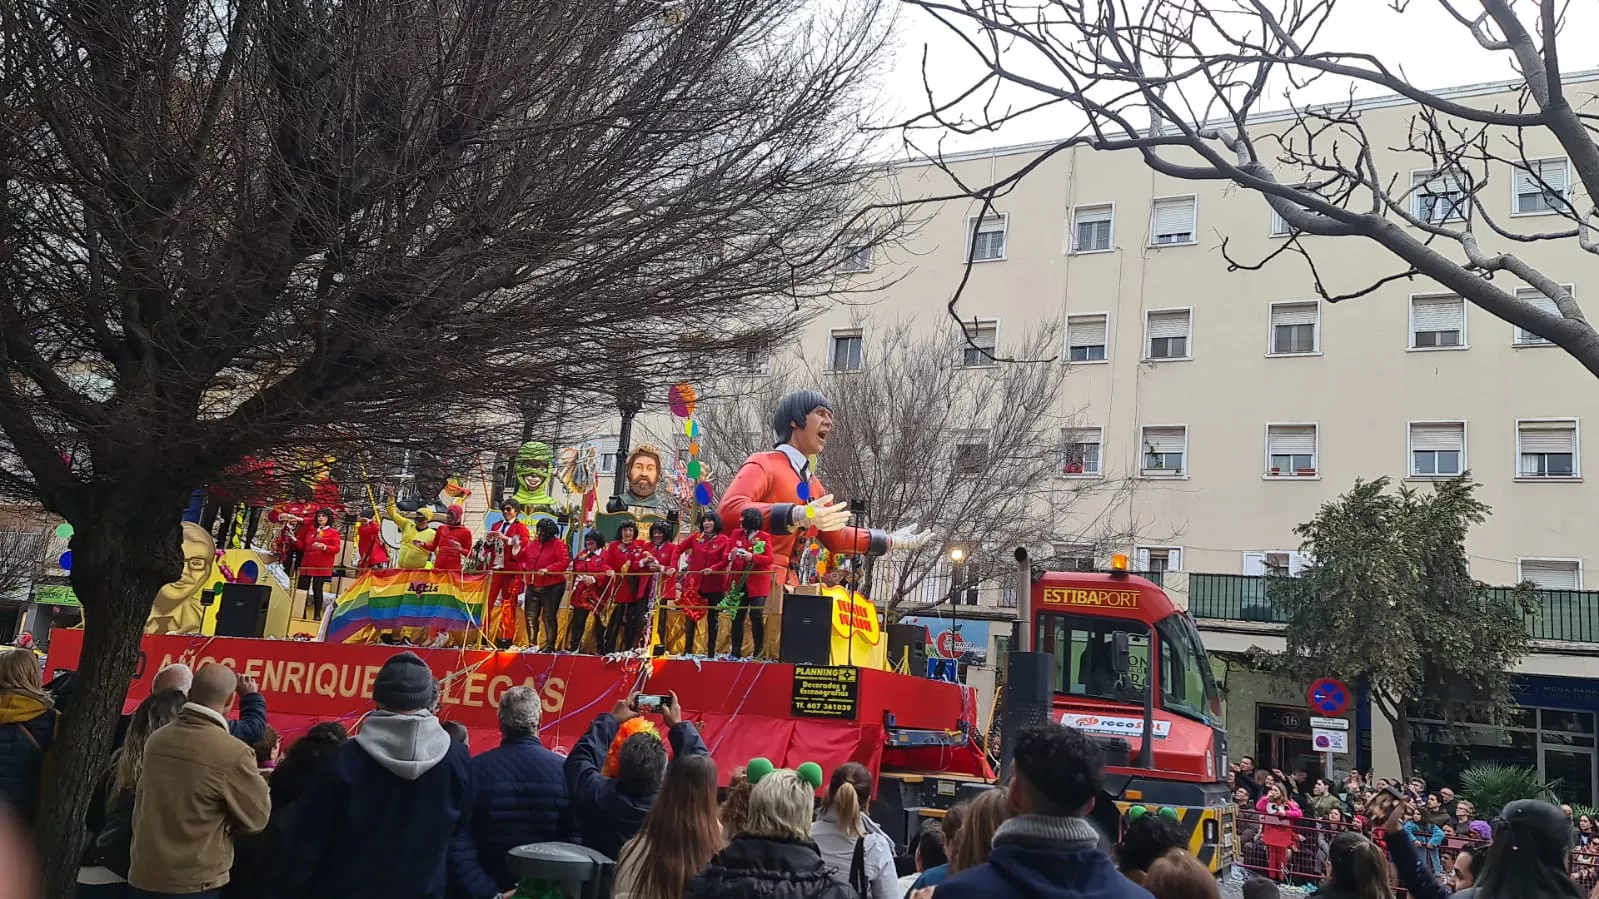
[[1083, 647], [1187, 685]]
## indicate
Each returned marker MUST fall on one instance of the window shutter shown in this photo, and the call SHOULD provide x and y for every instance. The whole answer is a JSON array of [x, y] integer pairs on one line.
[[1550, 575], [1548, 437], [1291, 440], [1438, 314], [1164, 440], [1075, 436], [1141, 559], [1174, 216], [1297, 562], [1255, 564], [1174, 560], [1296, 314], [1168, 324], [1552, 172], [1437, 437], [1087, 330], [1090, 214]]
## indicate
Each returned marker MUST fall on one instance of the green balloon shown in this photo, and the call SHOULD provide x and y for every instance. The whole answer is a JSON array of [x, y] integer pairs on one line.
[[64, 530], [694, 469]]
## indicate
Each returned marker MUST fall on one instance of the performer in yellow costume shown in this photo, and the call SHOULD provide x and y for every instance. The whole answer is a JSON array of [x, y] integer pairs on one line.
[[413, 527]]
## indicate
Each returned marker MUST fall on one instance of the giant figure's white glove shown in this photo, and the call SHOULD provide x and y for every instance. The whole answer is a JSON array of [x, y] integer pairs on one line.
[[826, 515], [908, 537]]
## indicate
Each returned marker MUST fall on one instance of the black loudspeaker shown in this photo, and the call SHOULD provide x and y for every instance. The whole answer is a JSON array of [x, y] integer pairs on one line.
[[243, 612], [907, 643], [807, 637], [1028, 698]]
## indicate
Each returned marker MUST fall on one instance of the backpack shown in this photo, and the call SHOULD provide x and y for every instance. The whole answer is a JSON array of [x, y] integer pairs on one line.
[[857, 870]]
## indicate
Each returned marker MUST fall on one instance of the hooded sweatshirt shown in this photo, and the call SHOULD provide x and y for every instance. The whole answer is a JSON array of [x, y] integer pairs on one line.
[[1043, 857], [379, 819], [27, 727]]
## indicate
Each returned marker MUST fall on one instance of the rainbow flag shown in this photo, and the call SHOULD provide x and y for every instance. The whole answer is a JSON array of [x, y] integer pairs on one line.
[[436, 600]]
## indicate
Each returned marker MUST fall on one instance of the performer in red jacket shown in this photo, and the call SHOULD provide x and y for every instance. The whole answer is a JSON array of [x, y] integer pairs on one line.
[[664, 584], [591, 580], [374, 553], [770, 483], [320, 549], [506, 543], [630, 561], [705, 580], [548, 559], [452, 541], [751, 571]]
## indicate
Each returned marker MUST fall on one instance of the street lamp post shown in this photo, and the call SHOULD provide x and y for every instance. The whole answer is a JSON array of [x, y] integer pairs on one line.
[[957, 582]]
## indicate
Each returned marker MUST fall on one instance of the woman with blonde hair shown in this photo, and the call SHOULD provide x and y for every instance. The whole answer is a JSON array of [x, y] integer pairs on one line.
[[103, 871], [27, 728], [773, 858], [850, 841], [983, 817], [680, 834], [1178, 875]]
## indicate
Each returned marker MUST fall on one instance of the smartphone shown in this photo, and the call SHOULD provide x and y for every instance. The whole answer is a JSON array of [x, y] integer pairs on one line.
[[1381, 805], [653, 702]]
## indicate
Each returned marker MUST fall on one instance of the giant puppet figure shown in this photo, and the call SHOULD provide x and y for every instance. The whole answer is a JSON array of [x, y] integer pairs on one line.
[[177, 608], [769, 482], [642, 502], [533, 470]]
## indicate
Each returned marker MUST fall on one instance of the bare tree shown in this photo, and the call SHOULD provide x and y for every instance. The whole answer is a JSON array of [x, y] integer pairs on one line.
[[284, 230], [21, 555], [929, 431], [1181, 83]]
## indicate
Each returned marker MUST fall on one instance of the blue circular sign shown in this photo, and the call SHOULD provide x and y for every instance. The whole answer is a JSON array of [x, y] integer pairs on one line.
[[1329, 697]]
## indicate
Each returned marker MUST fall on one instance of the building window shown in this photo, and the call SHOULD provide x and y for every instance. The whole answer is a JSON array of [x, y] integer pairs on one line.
[[1295, 329], [1437, 449], [1534, 297], [1157, 559], [1086, 338], [1437, 197], [855, 254], [1437, 322], [981, 343], [758, 359], [1173, 221], [1164, 449], [605, 453], [1552, 574], [1091, 228], [844, 350], [1546, 449], [1275, 563], [1075, 557], [1167, 334], [986, 237], [1290, 451], [971, 451], [1541, 187], [1081, 449]]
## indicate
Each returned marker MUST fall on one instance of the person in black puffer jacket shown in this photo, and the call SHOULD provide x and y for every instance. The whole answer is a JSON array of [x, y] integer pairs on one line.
[[27, 728], [255, 855], [773, 858]]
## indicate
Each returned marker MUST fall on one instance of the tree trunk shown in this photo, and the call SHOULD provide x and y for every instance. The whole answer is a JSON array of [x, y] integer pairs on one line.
[[127, 547], [1403, 737]]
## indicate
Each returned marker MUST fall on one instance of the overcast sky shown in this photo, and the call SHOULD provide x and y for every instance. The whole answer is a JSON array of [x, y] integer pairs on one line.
[[1424, 42]]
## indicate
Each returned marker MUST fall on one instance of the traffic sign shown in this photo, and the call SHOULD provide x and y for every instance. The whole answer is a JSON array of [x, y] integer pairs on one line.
[[1330, 740], [1329, 724], [1328, 696]]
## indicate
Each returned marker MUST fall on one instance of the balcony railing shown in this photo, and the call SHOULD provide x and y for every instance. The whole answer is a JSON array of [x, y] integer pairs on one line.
[[1570, 616]]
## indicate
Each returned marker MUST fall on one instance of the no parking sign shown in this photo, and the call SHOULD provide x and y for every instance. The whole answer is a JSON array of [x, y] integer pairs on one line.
[[1329, 697]]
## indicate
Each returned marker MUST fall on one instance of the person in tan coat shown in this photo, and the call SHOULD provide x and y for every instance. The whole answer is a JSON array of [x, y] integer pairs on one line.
[[198, 788]]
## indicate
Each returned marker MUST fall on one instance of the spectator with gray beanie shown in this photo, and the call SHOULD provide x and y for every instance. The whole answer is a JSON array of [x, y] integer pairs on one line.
[[383, 812], [519, 797]]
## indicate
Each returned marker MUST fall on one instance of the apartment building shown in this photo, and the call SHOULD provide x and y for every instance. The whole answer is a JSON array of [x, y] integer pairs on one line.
[[1235, 402]]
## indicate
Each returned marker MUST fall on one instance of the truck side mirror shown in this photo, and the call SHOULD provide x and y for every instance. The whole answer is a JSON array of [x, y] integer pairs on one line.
[[1120, 653]]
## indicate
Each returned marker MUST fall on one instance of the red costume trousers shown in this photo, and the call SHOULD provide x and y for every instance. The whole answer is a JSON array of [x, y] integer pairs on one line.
[[505, 597]]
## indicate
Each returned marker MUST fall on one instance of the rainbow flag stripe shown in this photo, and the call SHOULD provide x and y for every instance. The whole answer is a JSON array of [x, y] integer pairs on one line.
[[404, 599]]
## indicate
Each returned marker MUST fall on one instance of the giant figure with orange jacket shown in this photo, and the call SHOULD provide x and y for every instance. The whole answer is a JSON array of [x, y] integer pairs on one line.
[[770, 483]]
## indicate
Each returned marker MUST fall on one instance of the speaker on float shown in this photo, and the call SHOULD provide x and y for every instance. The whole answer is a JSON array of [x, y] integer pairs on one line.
[[807, 637], [907, 643], [1028, 698], [243, 612]]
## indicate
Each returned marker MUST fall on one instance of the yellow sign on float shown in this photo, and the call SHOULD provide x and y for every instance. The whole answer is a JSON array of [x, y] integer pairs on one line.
[[1080, 597], [857, 637]]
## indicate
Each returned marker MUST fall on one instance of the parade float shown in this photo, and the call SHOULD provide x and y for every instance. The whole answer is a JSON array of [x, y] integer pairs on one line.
[[825, 690]]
